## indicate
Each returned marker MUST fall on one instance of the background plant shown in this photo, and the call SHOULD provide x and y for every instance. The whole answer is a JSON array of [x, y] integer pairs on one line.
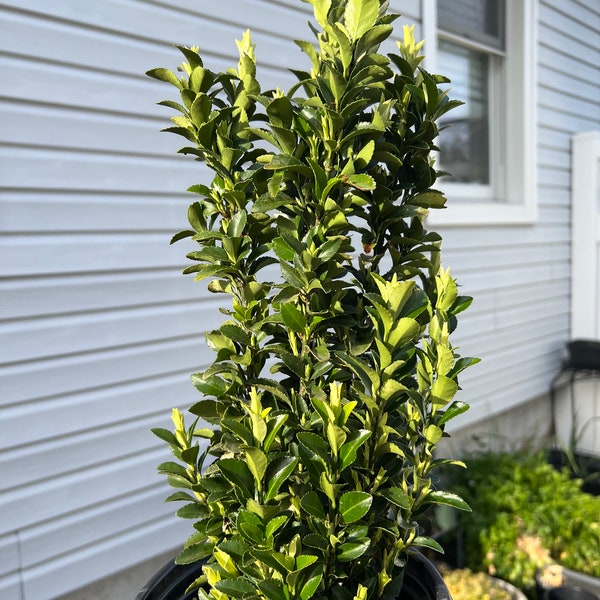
[[526, 515], [334, 376]]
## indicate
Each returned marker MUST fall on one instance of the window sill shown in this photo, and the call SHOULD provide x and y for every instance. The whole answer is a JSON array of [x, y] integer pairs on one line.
[[469, 214]]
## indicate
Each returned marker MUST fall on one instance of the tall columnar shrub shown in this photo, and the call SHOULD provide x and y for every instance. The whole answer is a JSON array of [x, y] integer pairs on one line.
[[334, 375]]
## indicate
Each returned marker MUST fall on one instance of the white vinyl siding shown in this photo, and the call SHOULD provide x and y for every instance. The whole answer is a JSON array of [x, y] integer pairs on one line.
[[99, 331]]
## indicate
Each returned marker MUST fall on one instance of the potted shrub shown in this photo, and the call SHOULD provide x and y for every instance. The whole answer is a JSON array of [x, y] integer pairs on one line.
[[464, 584], [527, 519], [309, 459]]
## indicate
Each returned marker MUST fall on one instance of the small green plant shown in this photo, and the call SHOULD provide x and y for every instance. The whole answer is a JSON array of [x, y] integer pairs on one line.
[[334, 376], [464, 584], [527, 516]]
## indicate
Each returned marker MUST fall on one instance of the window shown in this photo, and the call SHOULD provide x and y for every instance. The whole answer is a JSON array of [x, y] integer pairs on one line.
[[486, 47]]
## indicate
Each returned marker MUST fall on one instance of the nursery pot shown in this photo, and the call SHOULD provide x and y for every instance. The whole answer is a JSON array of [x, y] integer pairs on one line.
[[567, 592], [422, 581]]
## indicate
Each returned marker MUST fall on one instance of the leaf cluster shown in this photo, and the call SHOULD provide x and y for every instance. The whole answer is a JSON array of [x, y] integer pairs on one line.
[[310, 457], [526, 515]]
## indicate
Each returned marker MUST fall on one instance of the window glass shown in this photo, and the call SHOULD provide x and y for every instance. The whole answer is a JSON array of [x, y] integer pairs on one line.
[[464, 137], [479, 20]]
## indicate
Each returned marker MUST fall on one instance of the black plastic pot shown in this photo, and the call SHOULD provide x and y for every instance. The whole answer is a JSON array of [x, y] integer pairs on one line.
[[584, 355], [422, 581], [567, 592]]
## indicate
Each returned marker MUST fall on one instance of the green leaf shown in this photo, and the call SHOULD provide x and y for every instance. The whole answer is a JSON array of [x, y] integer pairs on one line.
[[321, 10], [166, 76], [273, 427], [294, 276], [429, 200], [280, 112], [172, 468], [289, 163], [455, 409], [315, 541], [278, 472], [354, 506], [237, 587], [349, 449], [211, 386], [257, 463], [251, 527], [238, 473], [237, 224], [312, 505], [283, 250], [443, 390], [396, 496], [293, 318], [352, 550], [447, 499], [273, 589], [276, 560], [267, 203], [274, 524], [194, 553], [310, 586], [193, 510], [427, 542], [235, 333], [360, 16], [361, 182], [165, 435]]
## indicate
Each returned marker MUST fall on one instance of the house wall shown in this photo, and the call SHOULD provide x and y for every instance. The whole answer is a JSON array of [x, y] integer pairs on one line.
[[99, 332]]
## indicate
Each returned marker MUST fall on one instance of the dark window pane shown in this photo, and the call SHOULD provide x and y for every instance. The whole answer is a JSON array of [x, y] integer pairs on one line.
[[480, 20], [464, 143]]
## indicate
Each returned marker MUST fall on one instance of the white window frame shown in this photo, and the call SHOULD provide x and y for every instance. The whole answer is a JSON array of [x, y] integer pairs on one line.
[[513, 180]]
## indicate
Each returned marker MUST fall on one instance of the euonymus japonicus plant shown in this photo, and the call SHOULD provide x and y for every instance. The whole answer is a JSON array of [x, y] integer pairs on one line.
[[334, 375]]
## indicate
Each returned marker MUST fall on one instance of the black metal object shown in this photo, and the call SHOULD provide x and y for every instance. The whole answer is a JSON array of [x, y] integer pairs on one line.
[[422, 581], [584, 355]]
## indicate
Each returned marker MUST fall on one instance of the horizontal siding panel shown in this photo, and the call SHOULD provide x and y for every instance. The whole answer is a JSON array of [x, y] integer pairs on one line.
[[554, 158], [66, 170], [547, 176], [9, 555], [85, 412], [69, 572], [61, 254], [555, 63], [65, 86], [474, 283], [10, 587], [584, 31], [59, 295], [45, 126], [164, 25], [564, 82], [65, 494], [548, 137], [78, 452], [509, 321], [55, 336], [492, 258], [58, 376], [485, 237], [77, 212], [96, 49], [566, 101], [564, 121], [77, 531]]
